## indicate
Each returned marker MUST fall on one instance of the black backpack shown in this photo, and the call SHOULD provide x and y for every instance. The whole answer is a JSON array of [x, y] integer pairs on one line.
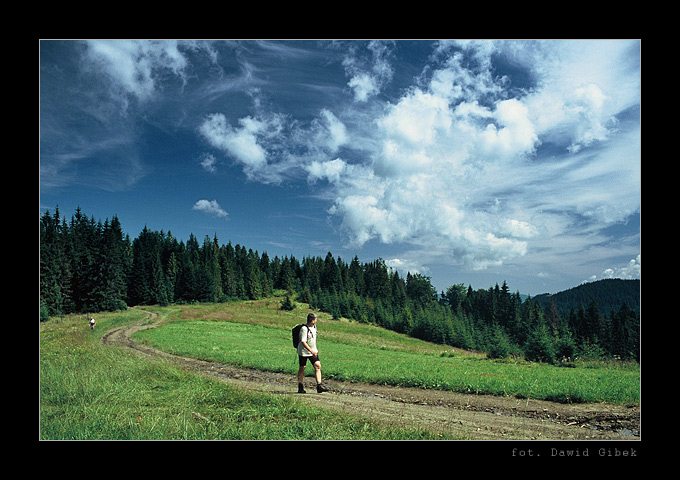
[[296, 334]]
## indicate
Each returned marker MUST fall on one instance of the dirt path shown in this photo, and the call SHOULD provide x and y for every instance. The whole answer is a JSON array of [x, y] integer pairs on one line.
[[478, 417]]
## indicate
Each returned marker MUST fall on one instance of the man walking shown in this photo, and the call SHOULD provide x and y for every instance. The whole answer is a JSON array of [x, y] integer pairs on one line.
[[307, 350]]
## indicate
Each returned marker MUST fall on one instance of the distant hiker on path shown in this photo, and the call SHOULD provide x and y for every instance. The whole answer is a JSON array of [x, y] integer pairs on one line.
[[307, 350], [91, 323]]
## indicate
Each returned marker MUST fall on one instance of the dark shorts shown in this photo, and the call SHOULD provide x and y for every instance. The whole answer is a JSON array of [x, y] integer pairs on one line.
[[303, 360]]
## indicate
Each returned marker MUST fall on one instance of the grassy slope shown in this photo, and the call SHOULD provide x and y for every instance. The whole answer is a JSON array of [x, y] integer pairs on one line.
[[257, 335], [89, 391]]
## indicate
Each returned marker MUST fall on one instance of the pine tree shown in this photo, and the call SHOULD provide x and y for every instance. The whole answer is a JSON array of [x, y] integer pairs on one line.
[[455, 295], [593, 321], [267, 275], [625, 334], [356, 276], [54, 266], [311, 275], [171, 271], [112, 287], [287, 303], [253, 283], [398, 291], [420, 290], [565, 347], [539, 346], [139, 285], [331, 277], [499, 345], [506, 308], [80, 251], [376, 279], [158, 293]]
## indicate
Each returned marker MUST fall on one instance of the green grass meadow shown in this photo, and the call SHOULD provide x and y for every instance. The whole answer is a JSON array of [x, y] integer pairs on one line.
[[257, 335], [92, 391], [89, 391]]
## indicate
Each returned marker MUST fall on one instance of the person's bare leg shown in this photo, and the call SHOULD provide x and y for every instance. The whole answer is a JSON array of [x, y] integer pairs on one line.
[[317, 371], [320, 387]]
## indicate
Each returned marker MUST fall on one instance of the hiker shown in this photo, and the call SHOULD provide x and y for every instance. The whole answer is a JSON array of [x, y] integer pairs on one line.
[[91, 323], [307, 350]]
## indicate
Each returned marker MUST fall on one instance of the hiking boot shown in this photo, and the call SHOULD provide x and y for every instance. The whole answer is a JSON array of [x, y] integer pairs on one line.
[[301, 388], [320, 388]]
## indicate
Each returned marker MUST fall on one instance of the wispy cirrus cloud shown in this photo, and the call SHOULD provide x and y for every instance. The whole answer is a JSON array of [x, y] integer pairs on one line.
[[134, 67], [88, 124]]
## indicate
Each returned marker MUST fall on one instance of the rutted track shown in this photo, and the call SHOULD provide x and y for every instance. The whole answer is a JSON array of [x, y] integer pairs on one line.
[[466, 416]]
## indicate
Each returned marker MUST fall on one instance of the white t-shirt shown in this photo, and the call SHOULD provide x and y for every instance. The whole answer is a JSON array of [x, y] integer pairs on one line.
[[307, 334]]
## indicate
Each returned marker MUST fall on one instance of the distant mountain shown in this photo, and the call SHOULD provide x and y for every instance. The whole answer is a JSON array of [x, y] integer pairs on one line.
[[609, 294]]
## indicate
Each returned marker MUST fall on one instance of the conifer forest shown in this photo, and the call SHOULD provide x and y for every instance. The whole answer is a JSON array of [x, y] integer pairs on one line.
[[87, 266]]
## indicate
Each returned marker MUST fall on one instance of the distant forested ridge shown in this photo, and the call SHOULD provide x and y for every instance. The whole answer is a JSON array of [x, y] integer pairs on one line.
[[608, 294], [87, 266]]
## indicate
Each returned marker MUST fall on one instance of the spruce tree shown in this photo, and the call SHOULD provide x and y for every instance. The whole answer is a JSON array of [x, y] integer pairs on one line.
[[539, 346], [54, 271], [565, 347], [112, 288], [499, 346], [287, 303], [252, 280], [158, 287]]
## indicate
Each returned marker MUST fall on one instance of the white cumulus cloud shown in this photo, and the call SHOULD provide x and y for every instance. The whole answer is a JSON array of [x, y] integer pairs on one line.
[[211, 207], [208, 162], [241, 143], [630, 271], [462, 165]]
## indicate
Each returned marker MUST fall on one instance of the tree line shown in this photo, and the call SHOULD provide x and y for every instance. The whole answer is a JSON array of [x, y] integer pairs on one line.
[[87, 266]]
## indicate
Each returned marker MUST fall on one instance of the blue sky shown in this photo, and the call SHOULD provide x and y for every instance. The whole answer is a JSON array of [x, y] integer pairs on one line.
[[470, 162]]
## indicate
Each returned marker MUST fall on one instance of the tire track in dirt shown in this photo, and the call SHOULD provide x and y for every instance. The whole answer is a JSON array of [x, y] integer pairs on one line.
[[465, 416]]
